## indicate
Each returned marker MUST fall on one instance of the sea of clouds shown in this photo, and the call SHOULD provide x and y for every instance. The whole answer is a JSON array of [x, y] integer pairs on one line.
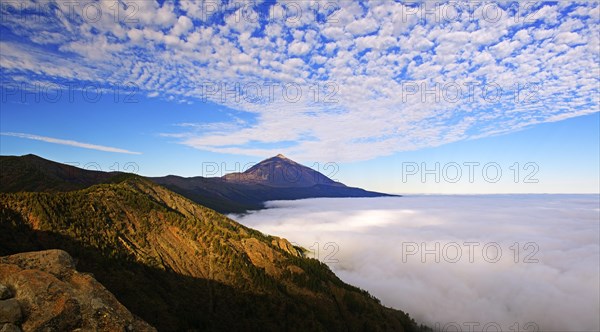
[[458, 263]]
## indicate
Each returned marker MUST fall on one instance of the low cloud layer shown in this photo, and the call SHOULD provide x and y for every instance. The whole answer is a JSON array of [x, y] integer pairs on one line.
[[545, 278]]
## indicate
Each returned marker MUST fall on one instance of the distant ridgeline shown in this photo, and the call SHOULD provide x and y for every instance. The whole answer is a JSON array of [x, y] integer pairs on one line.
[[176, 263], [276, 178]]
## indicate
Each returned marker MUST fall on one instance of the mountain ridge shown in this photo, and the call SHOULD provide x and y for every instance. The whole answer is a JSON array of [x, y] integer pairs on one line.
[[34, 173], [275, 178]]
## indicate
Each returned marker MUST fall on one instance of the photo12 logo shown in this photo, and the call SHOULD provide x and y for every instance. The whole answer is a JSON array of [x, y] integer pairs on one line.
[[469, 252], [473, 11], [485, 327], [469, 92], [453, 172], [87, 11], [273, 173], [70, 92], [325, 252], [269, 92], [96, 169]]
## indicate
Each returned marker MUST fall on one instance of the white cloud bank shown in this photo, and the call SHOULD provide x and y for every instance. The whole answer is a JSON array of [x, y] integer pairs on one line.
[[558, 293]]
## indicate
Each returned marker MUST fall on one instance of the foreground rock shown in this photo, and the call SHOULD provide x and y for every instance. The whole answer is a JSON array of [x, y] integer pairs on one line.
[[50, 295], [10, 311], [5, 292]]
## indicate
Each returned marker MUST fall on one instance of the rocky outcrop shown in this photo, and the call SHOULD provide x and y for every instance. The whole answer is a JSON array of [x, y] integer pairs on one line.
[[10, 311], [287, 247], [5, 292], [42, 291]]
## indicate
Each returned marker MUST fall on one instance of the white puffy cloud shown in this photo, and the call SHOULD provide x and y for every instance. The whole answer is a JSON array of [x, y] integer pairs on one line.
[[183, 25], [569, 38], [335, 33], [362, 27], [354, 65], [135, 35], [201, 9], [148, 13], [299, 48]]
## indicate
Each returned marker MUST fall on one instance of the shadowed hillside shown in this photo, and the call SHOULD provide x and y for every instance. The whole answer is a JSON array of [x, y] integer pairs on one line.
[[33, 173], [182, 266]]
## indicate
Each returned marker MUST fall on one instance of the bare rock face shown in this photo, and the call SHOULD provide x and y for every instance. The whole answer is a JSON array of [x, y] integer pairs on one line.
[[286, 246], [9, 327], [10, 311], [52, 296], [5, 292]]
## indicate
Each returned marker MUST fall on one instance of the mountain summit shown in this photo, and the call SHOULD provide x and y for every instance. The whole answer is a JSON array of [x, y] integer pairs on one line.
[[279, 171], [275, 178]]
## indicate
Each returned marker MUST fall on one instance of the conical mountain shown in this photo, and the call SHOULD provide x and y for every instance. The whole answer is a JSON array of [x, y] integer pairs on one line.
[[281, 172], [275, 178]]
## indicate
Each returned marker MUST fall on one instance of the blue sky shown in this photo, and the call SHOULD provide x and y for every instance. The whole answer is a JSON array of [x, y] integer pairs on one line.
[[363, 92]]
